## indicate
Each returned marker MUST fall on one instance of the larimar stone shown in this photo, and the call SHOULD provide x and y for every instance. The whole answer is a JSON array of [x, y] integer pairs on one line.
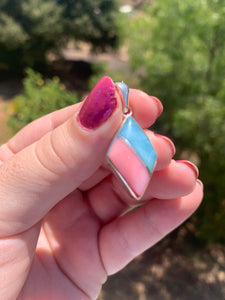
[[132, 157]]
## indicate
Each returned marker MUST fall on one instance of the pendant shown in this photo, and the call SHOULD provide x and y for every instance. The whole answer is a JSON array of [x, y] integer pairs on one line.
[[131, 155]]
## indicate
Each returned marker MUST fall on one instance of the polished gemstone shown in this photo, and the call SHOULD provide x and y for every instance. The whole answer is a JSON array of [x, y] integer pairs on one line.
[[132, 157]]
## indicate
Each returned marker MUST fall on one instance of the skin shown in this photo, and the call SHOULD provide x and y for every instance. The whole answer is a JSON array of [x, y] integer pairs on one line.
[[64, 225]]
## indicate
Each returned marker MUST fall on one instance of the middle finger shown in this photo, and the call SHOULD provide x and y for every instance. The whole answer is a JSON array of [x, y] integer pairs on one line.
[[109, 199]]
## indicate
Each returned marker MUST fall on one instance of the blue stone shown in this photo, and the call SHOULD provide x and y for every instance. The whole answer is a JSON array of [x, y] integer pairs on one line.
[[134, 136]]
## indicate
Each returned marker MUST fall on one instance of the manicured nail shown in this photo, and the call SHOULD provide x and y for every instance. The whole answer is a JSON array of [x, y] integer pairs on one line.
[[169, 142], [158, 104], [99, 105], [200, 183], [191, 165]]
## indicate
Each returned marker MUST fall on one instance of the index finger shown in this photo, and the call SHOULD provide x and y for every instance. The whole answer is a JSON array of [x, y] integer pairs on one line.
[[146, 109]]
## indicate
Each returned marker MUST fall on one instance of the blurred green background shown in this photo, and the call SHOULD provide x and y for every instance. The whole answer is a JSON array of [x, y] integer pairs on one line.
[[53, 51]]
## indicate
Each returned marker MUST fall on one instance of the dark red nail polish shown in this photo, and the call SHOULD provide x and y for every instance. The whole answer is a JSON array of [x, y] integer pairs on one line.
[[158, 104], [99, 105], [169, 142], [200, 183], [191, 165]]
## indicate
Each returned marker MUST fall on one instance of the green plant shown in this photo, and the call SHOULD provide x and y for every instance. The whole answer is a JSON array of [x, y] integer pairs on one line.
[[200, 129], [29, 29], [178, 50], [118, 74], [38, 98]]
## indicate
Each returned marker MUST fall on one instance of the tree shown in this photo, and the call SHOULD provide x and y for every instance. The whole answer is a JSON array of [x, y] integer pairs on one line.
[[39, 97], [91, 21], [30, 28], [178, 50]]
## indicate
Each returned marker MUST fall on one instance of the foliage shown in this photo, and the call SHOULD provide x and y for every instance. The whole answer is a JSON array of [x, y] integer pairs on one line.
[[201, 126], [31, 28], [91, 21], [118, 74], [178, 50], [39, 97]]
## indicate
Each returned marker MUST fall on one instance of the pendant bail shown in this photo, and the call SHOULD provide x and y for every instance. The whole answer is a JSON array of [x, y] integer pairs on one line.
[[131, 155], [127, 111]]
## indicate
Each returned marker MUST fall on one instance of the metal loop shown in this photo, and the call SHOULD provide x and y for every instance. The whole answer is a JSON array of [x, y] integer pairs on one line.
[[127, 112], [125, 92]]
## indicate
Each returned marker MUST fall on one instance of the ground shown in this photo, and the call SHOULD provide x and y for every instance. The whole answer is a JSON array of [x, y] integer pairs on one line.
[[171, 270]]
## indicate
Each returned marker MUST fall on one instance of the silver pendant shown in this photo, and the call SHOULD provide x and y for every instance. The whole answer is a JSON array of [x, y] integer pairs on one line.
[[131, 154]]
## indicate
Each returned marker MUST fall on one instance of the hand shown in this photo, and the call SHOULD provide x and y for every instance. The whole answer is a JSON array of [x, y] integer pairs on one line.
[[63, 227]]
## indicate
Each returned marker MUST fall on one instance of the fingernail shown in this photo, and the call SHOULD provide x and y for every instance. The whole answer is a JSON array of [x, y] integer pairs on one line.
[[191, 165], [158, 104], [99, 105], [169, 142], [200, 183]]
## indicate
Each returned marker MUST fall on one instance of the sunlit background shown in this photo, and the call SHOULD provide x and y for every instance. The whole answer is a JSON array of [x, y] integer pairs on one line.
[[52, 52]]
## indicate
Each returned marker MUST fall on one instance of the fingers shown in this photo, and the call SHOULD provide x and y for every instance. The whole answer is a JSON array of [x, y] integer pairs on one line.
[[73, 226], [165, 151], [146, 110], [164, 148], [124, 238], [177, 180], [36, 130], [39, 176], [109, 199]]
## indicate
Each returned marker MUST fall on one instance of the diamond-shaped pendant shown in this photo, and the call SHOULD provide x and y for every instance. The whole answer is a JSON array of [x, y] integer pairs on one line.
[[132, 157]]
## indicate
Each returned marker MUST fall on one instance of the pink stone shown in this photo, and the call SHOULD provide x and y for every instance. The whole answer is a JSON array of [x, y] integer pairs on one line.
[[130, 166]]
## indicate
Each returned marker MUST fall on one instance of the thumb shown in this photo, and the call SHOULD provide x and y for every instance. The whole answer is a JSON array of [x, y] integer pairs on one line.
[[39, 176]]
